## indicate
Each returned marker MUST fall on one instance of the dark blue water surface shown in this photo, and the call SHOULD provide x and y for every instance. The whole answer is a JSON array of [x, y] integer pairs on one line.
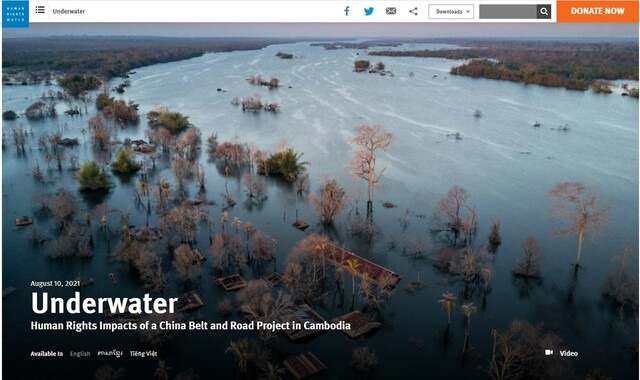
[[506, 165]]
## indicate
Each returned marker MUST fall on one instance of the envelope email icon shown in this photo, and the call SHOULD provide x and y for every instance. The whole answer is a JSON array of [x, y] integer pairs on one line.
[[392, 10]]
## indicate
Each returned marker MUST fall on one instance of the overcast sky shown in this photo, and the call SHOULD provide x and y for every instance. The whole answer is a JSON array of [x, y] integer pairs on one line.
[[426, 30]]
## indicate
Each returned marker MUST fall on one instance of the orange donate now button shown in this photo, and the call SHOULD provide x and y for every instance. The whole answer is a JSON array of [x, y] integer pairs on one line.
[[597, 11]]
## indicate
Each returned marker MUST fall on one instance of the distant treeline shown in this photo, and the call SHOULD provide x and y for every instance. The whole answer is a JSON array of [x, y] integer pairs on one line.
[[573, 65], [113, 56]]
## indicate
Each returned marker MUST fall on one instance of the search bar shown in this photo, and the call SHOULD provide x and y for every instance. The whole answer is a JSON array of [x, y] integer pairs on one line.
[[514, 11]]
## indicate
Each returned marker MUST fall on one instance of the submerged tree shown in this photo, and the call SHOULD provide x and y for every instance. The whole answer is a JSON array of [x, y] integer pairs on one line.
[[363, 163], [305, 267], [182, 221], [579, 204], [255, 187], [530, 264], [63, 207], [364, 359], [494, 237], [331, 199], [181, 169], [352, 267], [620, 283], [185, 264], [517, 354], [100, 133], [258, 303], [143, 260], [448, 302], [92, 177], [261, 248], [240, 351], [124, 162], [450, 215], [467, 309]]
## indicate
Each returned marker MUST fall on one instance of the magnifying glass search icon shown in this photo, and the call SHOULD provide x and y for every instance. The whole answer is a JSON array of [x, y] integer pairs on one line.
[[544, 11]]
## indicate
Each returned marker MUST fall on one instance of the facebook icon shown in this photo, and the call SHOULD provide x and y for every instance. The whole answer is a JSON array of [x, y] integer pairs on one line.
[[346, 11]]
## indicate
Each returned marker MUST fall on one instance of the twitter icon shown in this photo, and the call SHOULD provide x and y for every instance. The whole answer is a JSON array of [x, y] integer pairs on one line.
[[368, 11]]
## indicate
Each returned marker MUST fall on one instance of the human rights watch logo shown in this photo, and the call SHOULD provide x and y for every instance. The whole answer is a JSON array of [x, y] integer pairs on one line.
[[15, 14]]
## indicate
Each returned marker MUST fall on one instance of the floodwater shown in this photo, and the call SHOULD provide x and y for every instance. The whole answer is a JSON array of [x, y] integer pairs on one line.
[[506, 165]]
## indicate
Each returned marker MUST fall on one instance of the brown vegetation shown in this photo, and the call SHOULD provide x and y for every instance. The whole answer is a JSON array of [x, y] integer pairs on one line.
[[363, 163], [364, 359], [530, 264], [579, 205], [331, 199]]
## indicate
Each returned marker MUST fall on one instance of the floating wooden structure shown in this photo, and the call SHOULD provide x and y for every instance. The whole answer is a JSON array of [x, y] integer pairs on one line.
[[24, 221], [304, 365], [232, 282], [275, 278], [359, 322], [8, 290], [144, 148], [303, 314], [536, 124], [189, 301], [301, 225], [363, 267], [146, 233], [68, 142], [197, 256]]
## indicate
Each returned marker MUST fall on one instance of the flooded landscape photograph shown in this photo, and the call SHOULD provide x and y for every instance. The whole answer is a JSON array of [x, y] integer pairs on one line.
[[301, 201]]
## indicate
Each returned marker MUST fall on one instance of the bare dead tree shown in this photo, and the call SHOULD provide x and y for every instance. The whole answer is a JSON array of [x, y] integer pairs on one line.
[[363, 163], [364, 359], [255, 187], [516, 354], [621, 284], [100, 133], [188, 143], [374, 295], [530, 264], [227, 251], [579, 205], [143, 260], [182, 221], [494, 237], [453, 216], [181, 169], [260, 248], [331, 199], [200, 175], [184, 263], [42, 200], [258, 303], [63, 207]]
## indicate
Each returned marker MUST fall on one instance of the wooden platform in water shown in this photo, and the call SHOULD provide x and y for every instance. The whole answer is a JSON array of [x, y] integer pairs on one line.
[[146, 233], [304, 365], [360, 323], [189, 301], [364, 268], [232, 282], [24, 221], [301, 225], [303, 314], [197, 256], [275, 278]]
